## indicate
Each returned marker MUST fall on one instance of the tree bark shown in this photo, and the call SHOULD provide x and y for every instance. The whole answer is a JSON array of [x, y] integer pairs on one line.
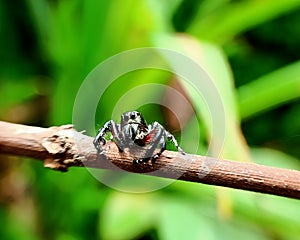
[[62, 147]]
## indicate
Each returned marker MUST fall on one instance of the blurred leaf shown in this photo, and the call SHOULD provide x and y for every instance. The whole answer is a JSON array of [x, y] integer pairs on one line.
[[209, 6], [16, 91], [278, 216], [40, 13], [184, 218], [131, 91], [189, 142], [162, 13], [270, 90], [101, 30], [270, 157], [127, 216], [213, 61], [70, 200], [236, 17], [179, 220], [64, 236], [227, 230]]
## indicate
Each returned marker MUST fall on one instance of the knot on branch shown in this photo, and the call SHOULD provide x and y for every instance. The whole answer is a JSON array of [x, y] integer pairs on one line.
[[61, 147]]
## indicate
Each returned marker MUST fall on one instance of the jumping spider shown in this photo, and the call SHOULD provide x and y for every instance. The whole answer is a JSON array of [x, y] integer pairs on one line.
[[145, 142]]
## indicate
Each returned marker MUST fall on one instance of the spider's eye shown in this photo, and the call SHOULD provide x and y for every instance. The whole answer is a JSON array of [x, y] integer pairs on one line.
[[132, 115]]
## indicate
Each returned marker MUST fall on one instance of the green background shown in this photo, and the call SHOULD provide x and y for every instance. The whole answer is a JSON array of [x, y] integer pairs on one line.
[[251, 51]]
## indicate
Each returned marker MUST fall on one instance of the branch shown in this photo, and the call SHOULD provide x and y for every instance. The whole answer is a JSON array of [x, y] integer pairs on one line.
[[63, 147]]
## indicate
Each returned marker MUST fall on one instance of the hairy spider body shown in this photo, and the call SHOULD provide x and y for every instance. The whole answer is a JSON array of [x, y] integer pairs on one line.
[[145, 142]]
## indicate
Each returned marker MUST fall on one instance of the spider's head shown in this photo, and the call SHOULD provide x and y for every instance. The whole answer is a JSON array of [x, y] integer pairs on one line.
[[132, 117]]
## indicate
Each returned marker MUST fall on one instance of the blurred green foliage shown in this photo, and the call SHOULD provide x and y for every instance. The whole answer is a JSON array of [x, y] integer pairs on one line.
[[251, 50]]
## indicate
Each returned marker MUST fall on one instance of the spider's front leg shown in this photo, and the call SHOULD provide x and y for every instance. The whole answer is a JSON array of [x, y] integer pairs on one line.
[[100, 138], [171, 138], [111, 127], [168, 136]]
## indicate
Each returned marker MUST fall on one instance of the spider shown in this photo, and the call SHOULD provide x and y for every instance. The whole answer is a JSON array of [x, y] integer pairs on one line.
[[145, 142]]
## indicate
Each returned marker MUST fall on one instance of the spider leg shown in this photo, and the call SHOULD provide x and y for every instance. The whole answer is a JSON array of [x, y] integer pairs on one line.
[[100, 136], [109, 126], [171, 138], [117, 136]]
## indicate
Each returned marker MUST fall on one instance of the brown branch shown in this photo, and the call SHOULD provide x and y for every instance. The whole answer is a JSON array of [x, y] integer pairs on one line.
[[63, 147]]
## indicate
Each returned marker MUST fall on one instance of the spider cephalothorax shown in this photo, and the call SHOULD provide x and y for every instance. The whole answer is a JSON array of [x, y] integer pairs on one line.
[[145, 142]]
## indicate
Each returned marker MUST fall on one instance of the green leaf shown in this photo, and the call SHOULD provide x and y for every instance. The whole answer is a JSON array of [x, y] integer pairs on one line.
[[81, 35], [231, 19], [126, 216], [162, 13], [16, 91], [271, 157], [269, 91], [277, 216], [179, 220], [40, 13], [212, 60]]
